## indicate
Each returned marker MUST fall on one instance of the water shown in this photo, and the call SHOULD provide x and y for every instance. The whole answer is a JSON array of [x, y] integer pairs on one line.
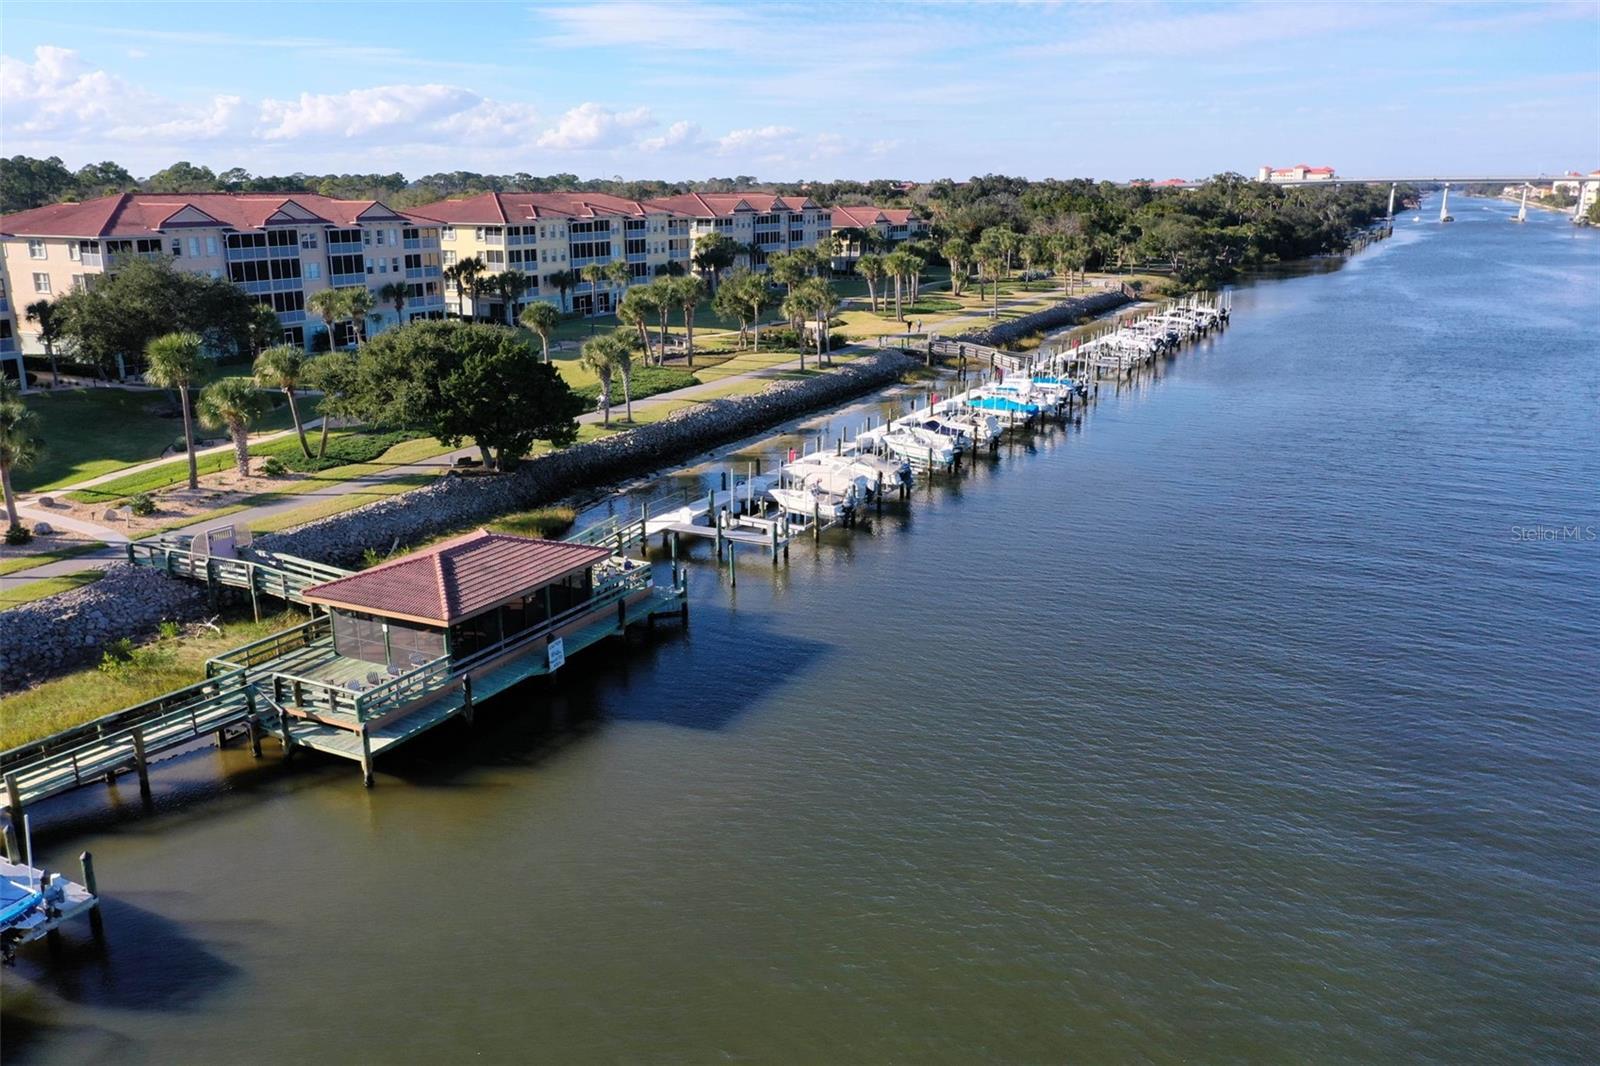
[[1252, 720]]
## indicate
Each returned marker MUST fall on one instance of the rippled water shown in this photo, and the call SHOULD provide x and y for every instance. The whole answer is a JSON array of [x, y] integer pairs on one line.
[[1254, 719]]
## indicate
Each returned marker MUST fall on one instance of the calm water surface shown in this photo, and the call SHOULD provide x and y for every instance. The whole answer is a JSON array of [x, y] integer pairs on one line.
[[1253, 719]]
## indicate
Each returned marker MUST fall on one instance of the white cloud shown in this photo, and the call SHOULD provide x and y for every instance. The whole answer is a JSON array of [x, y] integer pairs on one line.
[[58, 97], [380, 109], [678, 135], [677, 26], [756, 138], [591, 125]]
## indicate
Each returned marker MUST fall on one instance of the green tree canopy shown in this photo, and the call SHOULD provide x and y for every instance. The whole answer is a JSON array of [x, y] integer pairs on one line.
[[465, 381], [144, 300]]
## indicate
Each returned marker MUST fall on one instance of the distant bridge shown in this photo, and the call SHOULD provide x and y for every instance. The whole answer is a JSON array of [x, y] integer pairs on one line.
[[1524, 180]]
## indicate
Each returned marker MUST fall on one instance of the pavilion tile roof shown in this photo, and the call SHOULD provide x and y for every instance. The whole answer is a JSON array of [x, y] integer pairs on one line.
[[458, 578], [143, 214]]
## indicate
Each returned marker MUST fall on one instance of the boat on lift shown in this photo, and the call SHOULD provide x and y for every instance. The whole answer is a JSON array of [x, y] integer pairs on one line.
[[912, 443], [805, 494], [979, 426], [957, 432], [838, 473]]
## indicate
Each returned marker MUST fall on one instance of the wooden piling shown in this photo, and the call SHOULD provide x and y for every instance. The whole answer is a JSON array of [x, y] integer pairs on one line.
[[366, 757], [140, 763], [14, 799], [96, 925], [13, 849]]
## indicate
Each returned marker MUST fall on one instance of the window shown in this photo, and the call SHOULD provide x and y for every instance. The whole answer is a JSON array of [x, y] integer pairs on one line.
[[77, 283], [636, 247], [194, 247], [380, 236], [638, 270], [447, 233], [797, 236], [73, 253], [449, 258], [344, 264], [394, 263], [634, 225], [314, 271], [41, 283], [369, 264], [308, 241], [177, 246], [591, 250], [211, 245], [36, 250], [494, 259]]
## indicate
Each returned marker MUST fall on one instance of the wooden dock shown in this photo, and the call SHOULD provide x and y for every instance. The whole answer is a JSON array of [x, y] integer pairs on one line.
[[35, 903]]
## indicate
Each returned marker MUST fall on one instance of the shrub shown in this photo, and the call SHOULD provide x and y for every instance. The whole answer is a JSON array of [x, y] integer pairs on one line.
[[143, 505], [544, 522], [169, 630], [272, 466], [18, 534], [370, 557], [122, 658]]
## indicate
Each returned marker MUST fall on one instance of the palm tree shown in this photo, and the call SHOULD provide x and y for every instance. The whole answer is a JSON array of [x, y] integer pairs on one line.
[[991, 255], [358, 304], [713, 253], [542, 317], [795, 309], [871, 267], [333, 375], [512, 285], [44, 313], [173, 362], [452, 278], [661, 297], [1010, 241], [469, 280], [958, 253], [634, 311], [819, 298], [915, 265], [898, 265], [753, 295], [594, 274], [563, 280], [282, 367], [1035, 250], [233, 403], [789, 269], [330, 306], [599, 357], [619, 274], [848, 238], [687, 293], [18, 445], [396, 293]]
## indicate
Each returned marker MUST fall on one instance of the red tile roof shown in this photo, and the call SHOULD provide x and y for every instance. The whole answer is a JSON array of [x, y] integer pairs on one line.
[[457, 579], [727, 204], [141, 214], [865, 217], [501, 208]]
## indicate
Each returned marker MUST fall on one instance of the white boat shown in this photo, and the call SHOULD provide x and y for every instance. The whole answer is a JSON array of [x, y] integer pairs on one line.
[[913, 444], [958, 433], [978, 426], [813, 501]]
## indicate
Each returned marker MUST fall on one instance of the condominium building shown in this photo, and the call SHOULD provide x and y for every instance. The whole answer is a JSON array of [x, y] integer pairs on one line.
[[281, 248], [857, 226], [1298, 172], [763, 224], [544, 235]]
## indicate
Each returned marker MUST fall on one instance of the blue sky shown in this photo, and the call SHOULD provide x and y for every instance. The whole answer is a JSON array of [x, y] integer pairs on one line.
[[817, 90]]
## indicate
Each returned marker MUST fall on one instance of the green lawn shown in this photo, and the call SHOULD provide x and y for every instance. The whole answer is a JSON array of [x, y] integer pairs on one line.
[[10, 565], [350, 447], [86, 694], [28, 591], [89, 432]]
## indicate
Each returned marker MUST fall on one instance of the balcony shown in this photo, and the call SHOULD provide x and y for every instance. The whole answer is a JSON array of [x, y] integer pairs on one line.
[[8, 344], [5, 306], [413, 273], [346, 248], [270, 285], [339, 281], [416, 302], [291, 318]]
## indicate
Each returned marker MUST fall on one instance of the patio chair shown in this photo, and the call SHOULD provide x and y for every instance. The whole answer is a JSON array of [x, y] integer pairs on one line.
[[374, 678], [355, 686]]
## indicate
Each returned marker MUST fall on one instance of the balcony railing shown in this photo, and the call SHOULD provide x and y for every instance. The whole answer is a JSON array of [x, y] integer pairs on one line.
[[346, 248], [8, 344], [422, 272], [239, 255], [339, 281]]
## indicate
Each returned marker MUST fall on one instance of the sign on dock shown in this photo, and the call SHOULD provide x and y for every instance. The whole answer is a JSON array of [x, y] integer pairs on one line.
[[558, 654]]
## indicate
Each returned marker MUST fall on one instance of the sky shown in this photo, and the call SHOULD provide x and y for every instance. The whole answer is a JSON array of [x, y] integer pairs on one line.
[[819, 90]]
